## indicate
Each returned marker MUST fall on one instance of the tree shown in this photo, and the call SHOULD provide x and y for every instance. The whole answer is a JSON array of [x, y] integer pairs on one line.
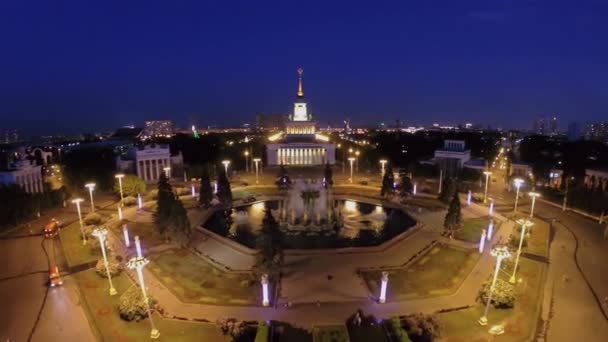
[[205, 191], [224, 193], [131, 186], [448, 188], [329, 181], [270, 257], [283, 180], [164, 203], [132, 305], [406, 187], [453, 219], [179, 229], [387, 182]]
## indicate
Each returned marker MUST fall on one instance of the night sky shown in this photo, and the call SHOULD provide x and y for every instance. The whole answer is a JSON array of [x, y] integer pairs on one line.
[[87, 66]]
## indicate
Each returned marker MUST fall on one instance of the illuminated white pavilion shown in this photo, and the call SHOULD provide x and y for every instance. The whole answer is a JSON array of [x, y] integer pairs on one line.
[[300, 144]]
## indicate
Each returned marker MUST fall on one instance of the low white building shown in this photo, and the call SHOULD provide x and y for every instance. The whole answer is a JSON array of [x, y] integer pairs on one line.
[[452, 157], [596, 177], [149, 161], [522, 170], [24, 173]]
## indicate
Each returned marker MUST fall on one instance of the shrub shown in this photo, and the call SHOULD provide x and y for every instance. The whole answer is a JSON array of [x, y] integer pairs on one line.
[[93, 219], [263, 332], [132, 306], [398, 332], [152, 195], [233, 327], [129, 201], [514, 241], [93, 244], [114, 266], [503, 296], [421, 327], [181, 191], [131, 186]]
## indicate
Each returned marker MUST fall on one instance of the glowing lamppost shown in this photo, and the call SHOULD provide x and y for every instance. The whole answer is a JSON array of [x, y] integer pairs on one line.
[[265, 291], [77, 202], [357, 161], [257, 177], [482, 240], [440, 181], [533, 194], [500, 253], [101, 233], [351, 160], [491, 207], [524, 224], [120, 176], [382, 164], [138, 263], [91, 187], [469, 197], [518, 183], [383, 286], [246, 154], [485, 193], [564, 205], [167, 170], [226, 163]]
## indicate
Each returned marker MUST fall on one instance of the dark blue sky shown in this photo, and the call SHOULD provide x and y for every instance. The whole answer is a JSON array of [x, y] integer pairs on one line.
[[71, 66]]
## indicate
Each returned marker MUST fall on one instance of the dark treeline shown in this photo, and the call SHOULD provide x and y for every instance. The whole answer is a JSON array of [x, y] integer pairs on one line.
[[18, 206], [94, 164]]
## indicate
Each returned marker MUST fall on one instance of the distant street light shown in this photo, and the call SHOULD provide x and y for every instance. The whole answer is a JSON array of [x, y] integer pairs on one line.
[[226, 163], [265, 291], [351, 160], [101, 233], [524, 224], [138, 263], [533, 194], [120, 176], [257, 177], [518, 183], [246, 153], [382, 164], [77, 202], [499, 253], [91, 187], [485, 193], [167, 170], [357, 161], [383, 286]]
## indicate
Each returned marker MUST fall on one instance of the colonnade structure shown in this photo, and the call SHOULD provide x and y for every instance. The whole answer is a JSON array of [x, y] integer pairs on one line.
[[300, 144], [148, 162]]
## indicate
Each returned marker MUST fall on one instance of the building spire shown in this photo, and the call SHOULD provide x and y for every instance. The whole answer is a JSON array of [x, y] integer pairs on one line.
[[300, 88]]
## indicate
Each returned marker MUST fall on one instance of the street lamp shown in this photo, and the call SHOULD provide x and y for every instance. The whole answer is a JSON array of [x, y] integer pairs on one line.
[[77, 202], [256, 161], [357, 161], [351, 160], [518, 183], [120, 176], [500, 253], [533, 194], [265, 292], [383, 286], [167, 170], [91, 187], [568, 179], [485, 193], [246, 153], [138, 263], [491, 207], [524, 224], [101, 233], [482, 240], [382, 164], [226, 163]]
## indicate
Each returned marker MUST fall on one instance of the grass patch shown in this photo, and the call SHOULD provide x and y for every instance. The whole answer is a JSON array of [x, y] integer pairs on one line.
[[366, 333], [330, 333], [103, 314], [519, 322], [440, 271], [471, 228], [75, 252], [194, 280], [429, 203], [145, 230]]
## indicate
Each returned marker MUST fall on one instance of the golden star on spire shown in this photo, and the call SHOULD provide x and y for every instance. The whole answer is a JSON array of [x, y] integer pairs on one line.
[[300, 88]]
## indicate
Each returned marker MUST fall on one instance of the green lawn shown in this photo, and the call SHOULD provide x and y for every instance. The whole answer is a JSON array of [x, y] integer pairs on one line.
[[145, 230], [471, 228], [330, 333], [108, 326], [75, 252], [519, 322], [440, 271], [194, 280]]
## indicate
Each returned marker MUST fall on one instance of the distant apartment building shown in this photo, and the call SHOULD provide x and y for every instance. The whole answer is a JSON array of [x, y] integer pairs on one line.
[[546, 126], [272, 122], [157, 128], [597, 131], [9, 136]]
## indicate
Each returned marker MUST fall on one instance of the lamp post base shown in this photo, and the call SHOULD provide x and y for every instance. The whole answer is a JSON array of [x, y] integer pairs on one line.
[[113, 291], [154, 334], [512, 280], [483, 321]]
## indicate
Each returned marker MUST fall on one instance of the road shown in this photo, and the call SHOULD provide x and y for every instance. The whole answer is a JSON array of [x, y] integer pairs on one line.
[[30, 310]]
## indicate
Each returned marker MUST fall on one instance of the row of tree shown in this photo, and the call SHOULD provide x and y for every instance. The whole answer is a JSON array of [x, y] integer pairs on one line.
[[171, 218], [224, 191], [19, 206]]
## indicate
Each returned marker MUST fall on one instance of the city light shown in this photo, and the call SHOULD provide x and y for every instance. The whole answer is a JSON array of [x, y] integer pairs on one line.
[[382, 165], [351, 160], [518, 183], [120, 176], [534, 195], [167, 170], [91, 187], [77, 202], [257, 177], [226, 163], [265, 291]]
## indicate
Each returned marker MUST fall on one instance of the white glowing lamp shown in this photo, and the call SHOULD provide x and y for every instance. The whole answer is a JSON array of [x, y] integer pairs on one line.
[[265, 292], [383, 286]]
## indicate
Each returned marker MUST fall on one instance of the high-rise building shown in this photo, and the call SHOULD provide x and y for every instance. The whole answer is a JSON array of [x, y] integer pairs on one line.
[[545, 126], [10, 136], [597, 131], [158, 128]]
